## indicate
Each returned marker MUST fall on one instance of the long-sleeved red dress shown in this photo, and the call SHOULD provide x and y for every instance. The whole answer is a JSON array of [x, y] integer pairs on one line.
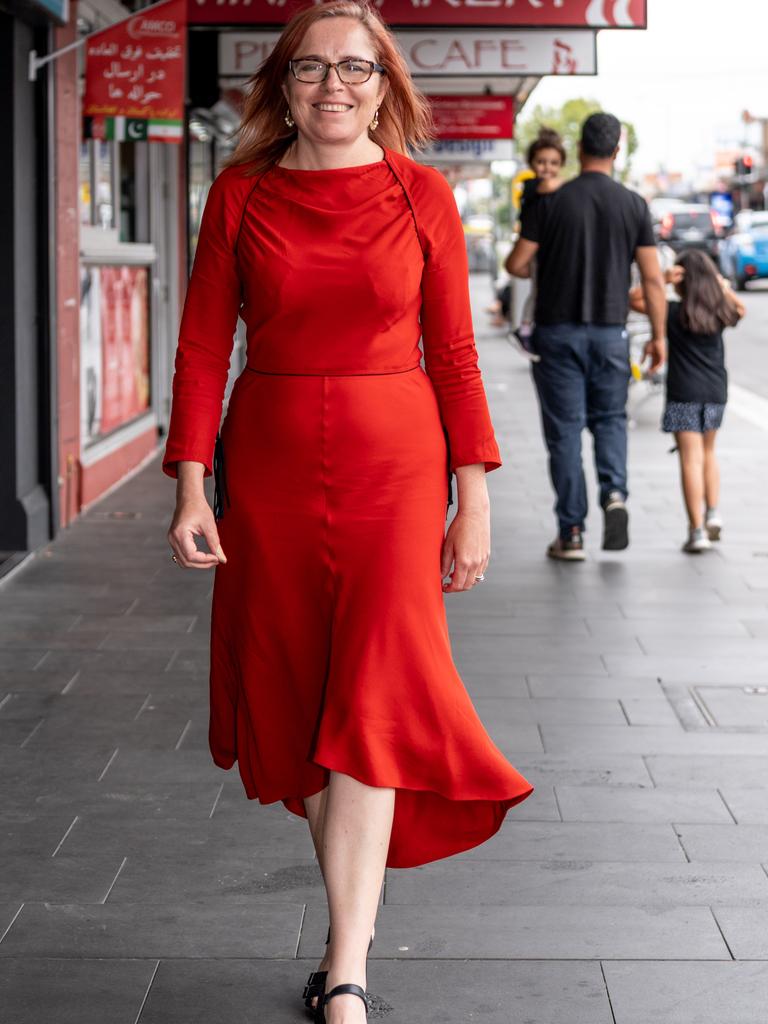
[[329, 643]]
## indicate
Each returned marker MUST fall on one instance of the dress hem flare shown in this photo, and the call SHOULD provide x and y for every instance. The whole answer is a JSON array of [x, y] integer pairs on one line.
[[452, 843]]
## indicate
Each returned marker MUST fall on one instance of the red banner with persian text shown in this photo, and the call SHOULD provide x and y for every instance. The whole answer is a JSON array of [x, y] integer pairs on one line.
[[135, 72], [511, 13]]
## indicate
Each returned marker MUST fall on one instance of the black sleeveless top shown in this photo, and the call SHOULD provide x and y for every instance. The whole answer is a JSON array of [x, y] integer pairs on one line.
[[695, 363]]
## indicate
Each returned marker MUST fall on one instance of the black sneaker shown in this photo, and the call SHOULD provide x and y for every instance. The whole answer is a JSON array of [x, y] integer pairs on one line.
[[568, 549], [615, 523]]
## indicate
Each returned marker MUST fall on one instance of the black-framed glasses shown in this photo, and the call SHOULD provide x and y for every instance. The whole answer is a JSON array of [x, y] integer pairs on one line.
[[350, 72]]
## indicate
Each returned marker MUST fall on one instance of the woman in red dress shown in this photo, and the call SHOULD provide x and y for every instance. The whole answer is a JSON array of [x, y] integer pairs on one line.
[[332, 683]]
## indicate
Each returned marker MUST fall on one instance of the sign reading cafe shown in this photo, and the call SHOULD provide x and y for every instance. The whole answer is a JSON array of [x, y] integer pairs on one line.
[[446, 53]]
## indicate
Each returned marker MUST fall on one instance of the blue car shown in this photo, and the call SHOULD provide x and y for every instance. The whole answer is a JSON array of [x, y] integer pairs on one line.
[[744, 253]]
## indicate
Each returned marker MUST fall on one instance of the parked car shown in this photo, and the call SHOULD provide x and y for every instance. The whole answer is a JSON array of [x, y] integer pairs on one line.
[[693, 226], [744, 253]]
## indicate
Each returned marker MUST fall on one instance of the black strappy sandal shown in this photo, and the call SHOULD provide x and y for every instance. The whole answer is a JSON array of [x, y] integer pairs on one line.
[[340, 990], [316, 983]]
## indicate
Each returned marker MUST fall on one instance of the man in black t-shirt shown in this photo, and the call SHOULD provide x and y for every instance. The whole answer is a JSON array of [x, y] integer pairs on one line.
[[584, 238]]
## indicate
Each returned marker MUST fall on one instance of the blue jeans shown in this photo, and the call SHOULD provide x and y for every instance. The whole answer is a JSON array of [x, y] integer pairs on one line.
[[582, 381]]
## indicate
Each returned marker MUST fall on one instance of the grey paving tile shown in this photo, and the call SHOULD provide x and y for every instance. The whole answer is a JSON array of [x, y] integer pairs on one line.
[[748, 806], [43, 638], [164, 766], [123, 640], [61, 878], [585, 770], [8, 914], [198, 841], [514, 739], [535, 933], [577, 883], [721, 647], [431, 992], [544, 626], [31, 681], [593, 803], [74, 991], [709, 772], [25, 660], [649, 711], [139, 624], [249, 928], [479, 684], [211, 871], [541, 805], [28, 773], [747, 843], [707, 625], [745, 930], [736, 707], [581, 841], [601, 687], [512, 710], [739, 669], [687, 993], [95, 681], [104, 661], [647, 739]]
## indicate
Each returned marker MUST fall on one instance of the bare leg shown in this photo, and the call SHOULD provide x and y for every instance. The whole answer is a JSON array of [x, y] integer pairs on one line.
[[358, 825], [711, 470], [691, 450], [315, 807]]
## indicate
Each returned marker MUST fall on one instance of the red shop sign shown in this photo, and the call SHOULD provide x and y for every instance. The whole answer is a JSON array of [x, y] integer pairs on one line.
[[510, 13], [473, 117], [135, 69]]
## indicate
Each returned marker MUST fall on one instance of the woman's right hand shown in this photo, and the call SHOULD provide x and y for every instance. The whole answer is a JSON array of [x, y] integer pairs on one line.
[[193, 518]]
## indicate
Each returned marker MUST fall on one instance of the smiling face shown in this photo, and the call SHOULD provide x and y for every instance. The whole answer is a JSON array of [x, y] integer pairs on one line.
[[547, 163], [332, 112]]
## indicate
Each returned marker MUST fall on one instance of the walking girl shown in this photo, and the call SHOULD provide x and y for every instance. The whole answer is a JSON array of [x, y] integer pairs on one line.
[[697, 385], [332, 683]]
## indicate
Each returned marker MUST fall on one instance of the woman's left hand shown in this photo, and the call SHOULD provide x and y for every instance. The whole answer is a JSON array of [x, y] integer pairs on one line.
[[466, 548]]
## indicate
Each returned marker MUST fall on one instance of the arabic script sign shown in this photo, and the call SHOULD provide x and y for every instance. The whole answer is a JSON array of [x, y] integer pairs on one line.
[[510, 13], [135, 69]]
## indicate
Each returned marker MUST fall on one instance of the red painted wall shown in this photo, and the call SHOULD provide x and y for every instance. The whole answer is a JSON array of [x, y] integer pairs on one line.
[[67, 136]]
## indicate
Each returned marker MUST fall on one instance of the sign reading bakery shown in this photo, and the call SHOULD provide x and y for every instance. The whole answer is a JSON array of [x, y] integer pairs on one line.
[[447, 54], [508, 13], [473, 117]]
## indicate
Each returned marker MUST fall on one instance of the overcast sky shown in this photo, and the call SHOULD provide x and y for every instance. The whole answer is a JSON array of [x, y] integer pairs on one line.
[[683, 82]]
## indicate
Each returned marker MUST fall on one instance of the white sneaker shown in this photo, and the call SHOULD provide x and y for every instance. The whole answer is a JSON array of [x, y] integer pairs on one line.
[[697, 542], [713, 525]]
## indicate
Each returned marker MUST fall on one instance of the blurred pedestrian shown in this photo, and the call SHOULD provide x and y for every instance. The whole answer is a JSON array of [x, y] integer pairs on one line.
[[546, 158], [697, 385], [585, 237], [332, 683]]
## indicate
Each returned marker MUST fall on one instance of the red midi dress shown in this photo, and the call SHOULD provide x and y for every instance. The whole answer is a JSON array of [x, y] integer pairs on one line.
[[329, 642]]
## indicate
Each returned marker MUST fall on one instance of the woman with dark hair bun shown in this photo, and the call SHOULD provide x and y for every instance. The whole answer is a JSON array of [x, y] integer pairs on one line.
[[332, 682], [697, 385]]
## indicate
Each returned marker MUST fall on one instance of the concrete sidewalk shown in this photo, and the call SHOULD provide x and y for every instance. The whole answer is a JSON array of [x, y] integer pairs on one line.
[[139, 885]]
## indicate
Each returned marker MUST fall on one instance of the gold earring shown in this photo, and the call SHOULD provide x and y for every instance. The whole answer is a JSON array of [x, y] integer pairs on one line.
[[375, 122], [288, 119]]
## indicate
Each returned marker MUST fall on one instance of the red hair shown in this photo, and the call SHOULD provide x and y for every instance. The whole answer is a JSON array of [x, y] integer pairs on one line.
[[405, 119]]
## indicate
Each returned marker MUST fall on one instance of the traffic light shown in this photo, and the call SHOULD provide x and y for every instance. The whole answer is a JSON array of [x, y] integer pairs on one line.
[[744, 165]]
